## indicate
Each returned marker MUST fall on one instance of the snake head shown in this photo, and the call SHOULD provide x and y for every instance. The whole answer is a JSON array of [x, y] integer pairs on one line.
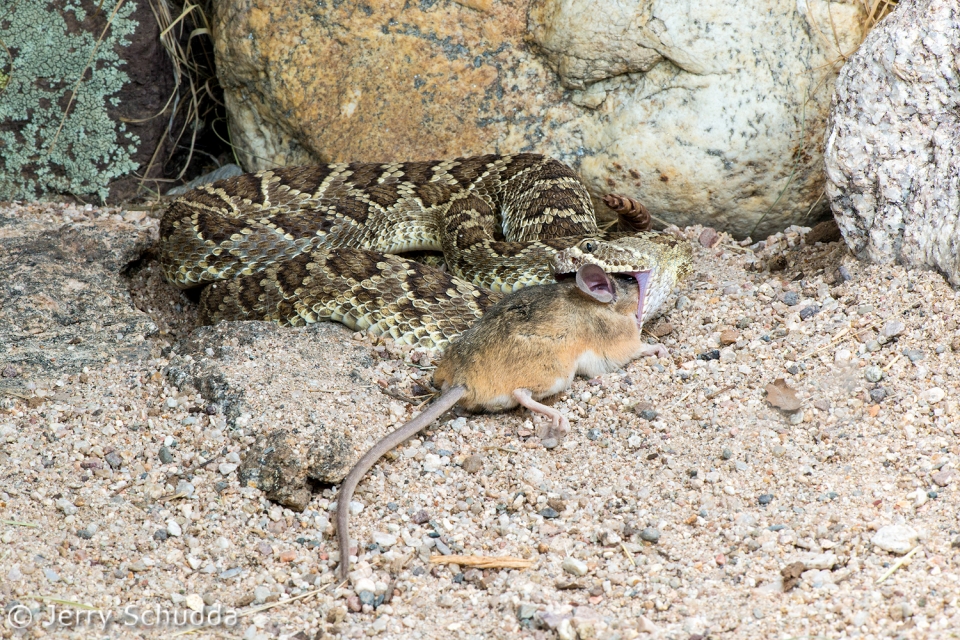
[[658, 262]]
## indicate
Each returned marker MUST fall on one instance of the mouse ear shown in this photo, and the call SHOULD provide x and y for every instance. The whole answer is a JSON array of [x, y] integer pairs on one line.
[[595, 282]]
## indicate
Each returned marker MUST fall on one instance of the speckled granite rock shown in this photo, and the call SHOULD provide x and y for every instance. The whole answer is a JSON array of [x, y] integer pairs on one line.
[[892, 163], [708, 113], [64, 304]]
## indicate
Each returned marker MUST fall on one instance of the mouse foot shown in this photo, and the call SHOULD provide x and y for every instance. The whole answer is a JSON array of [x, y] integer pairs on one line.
[[551, 433], [653, 350]]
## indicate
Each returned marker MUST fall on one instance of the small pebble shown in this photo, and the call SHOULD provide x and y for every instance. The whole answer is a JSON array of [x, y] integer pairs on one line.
[[648, 414], [526, 611], [574, 567], [943, 477], [420, 517], [473, 463], [114, 460], [549, 513], [791, 298], [895, 538], [650, 534], [873, 373], [593, 434], [873, 346], [934, 395], [808, 312], [892, 329], [708, 237], [914, 355], [765, 499], [353, 603], [729, 336], [877, 395], [166, 457], [713, 354], [726, 454]]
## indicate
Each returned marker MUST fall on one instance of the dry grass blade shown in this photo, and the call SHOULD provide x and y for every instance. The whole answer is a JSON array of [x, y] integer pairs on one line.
[[899, 563], [193, 98], [484, 562], [17, 523], [61, 601]]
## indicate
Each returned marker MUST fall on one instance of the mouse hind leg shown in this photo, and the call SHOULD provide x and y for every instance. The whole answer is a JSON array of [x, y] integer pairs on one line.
[[551, 434]]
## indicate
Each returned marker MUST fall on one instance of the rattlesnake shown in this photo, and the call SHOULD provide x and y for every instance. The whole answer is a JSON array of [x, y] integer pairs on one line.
[[303, 244]]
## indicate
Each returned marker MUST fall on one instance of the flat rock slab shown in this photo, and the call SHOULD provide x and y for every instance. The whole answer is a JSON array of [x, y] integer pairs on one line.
[[64, 303], [307, 397]]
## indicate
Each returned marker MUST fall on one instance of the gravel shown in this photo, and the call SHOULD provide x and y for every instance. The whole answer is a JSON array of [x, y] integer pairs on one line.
[[679, 523]]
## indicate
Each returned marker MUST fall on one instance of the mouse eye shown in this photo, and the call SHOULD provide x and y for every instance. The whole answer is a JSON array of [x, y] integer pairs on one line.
[[587, 246]]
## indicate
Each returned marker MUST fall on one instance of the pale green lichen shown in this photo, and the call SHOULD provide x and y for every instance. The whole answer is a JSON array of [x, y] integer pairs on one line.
[[90, 149]]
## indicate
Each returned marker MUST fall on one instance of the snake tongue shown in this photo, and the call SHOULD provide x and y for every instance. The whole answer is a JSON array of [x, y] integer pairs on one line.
[[643, 279]]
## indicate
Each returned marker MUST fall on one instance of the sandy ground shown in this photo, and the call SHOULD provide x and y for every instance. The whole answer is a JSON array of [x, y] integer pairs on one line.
[[672, 510]]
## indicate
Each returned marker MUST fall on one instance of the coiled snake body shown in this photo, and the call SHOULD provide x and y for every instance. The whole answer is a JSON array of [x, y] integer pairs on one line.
[[312, 243]]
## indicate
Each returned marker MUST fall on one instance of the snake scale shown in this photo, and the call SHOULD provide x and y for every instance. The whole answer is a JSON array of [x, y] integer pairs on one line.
[[325, 242]]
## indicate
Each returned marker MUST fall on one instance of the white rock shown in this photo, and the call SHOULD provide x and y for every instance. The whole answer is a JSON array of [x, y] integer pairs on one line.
[[891, 155], [431, 463], [934, 395], [533, 476], [365, 584], [384, 540], [645, 625], [260, 594], [573, 566], [565, 630], [67, 507], [194, 602], [896, 538], [226, 468], [173, 528]]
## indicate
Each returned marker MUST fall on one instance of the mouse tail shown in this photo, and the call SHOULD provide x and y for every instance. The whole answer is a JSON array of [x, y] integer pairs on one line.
[[449, 398]]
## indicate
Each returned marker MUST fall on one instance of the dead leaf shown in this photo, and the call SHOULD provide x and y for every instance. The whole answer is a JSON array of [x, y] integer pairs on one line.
[[791, 575], [782, 396]]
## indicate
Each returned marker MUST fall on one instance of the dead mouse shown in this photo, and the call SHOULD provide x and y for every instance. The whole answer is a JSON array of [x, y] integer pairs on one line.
[[528, 346]]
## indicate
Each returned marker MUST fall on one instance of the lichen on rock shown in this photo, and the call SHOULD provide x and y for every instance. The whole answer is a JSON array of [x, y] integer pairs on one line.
[[53, 45]]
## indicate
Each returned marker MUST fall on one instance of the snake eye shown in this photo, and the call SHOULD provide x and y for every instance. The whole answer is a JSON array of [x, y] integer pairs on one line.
[[587, 246]]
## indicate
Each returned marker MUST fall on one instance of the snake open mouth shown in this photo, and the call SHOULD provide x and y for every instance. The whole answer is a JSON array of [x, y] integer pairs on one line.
[[643, 281]]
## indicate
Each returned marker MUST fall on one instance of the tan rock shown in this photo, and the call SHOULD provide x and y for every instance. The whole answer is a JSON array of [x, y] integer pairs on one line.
[[666, 103]]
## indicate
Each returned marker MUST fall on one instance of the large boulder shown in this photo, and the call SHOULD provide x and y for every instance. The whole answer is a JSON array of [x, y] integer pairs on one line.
[[709, 112], [893, 171], [84, 90]]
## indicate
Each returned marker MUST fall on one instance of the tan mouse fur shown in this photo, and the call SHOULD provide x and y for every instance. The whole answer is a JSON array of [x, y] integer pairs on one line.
[[528, 346], [539, 338]]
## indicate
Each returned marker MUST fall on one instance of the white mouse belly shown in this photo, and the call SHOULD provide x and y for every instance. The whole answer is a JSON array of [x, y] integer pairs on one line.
[[591, 365]]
